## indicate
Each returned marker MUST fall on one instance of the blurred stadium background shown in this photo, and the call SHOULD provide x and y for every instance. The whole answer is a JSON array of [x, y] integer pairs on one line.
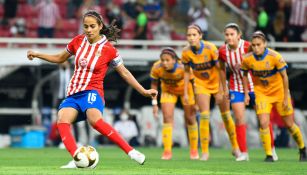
[[28, 90]]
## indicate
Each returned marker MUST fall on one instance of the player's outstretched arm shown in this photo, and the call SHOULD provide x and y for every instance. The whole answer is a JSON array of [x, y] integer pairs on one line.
[[56, 58], [129, 78]]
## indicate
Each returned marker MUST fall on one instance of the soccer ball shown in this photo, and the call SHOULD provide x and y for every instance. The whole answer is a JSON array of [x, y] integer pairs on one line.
[[86, 157]]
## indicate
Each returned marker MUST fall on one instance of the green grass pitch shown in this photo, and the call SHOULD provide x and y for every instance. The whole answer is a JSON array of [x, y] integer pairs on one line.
[[114, 161]]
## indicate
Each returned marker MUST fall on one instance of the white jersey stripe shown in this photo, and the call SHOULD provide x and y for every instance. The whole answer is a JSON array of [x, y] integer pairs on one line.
[[89, 76], [89, 59], [76, 63], [233, 63], [238, 72], [79, 69], [234, 59]]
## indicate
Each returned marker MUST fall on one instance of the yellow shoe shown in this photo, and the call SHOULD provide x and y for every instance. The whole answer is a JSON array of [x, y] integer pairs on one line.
[[167, 155], [194, 155]]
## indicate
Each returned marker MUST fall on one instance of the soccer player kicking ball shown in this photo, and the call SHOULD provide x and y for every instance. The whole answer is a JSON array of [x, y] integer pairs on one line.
[[271, 88], [93, 55]]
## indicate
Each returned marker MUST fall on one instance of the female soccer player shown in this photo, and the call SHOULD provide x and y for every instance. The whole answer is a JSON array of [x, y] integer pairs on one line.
[[271, 88], [93, 54], [202, 57], [170, 71], [230, 54]]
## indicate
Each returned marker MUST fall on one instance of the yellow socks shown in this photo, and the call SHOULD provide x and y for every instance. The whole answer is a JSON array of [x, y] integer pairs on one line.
[[231, 129], [266, 140], [167, 140], [297, 135], [204, 131], [193, 136]]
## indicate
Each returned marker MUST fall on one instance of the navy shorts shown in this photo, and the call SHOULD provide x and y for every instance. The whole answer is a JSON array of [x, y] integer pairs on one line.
[[238, 97], [82, 101]]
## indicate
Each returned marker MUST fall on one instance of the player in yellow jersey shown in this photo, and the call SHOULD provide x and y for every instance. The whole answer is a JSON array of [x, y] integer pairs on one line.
[[271, 87], [202, 57], [170, 71]]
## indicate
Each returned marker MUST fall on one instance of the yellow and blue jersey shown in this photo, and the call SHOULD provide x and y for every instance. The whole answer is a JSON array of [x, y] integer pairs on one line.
[[267, 80], [203, 63], [171, 81]]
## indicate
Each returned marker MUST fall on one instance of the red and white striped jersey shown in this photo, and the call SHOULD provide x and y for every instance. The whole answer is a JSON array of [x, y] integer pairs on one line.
[[298, 16], [233, 60], [91, 63]]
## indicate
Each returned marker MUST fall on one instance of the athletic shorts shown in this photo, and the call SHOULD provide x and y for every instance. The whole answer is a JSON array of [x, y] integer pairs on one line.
[[172, 98], [238, 97], [264, 106], [82, 101], [201, 89]]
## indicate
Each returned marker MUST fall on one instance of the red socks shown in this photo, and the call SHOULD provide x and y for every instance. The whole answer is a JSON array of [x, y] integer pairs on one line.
[[108, 131], [241, 137], [67, 137], [101, 126], [272, 135]]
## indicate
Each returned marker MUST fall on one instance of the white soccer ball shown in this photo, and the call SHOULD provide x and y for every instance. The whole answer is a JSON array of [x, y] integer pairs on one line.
[[86, 157]]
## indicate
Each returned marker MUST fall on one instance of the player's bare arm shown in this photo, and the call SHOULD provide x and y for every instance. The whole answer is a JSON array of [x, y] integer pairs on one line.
[[286, 87], [245, 87], [155, 108], [187, 75], [55, 58], [129, 78]]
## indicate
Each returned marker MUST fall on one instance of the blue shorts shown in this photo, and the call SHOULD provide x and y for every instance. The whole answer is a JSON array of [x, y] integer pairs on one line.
[[238, 97], [82, 101]]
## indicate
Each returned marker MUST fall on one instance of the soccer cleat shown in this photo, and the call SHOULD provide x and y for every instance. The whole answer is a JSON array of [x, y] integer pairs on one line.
[[236, 153], [274, 154], [194, 155], [269, 158], [204, 157], [303, 157], [70, 165], [137, 156], [166, 155], [243, 157]]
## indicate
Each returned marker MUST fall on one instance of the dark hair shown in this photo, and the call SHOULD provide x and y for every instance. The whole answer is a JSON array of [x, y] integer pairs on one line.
[[170, 51], [195, 26], [111, 31], [233, 26], [259, 34]]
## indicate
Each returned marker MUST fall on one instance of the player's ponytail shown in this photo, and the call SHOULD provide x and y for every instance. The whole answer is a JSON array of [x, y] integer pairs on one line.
[[170, 51], [111, 31]]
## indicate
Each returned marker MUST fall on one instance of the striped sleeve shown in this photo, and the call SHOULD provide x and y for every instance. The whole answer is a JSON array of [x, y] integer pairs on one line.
[[115, 59], [73, 45]]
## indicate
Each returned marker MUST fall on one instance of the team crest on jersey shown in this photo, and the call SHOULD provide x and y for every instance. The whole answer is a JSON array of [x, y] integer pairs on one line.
[[267, 65], [83, 62], [206, 58], [98, 53]]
